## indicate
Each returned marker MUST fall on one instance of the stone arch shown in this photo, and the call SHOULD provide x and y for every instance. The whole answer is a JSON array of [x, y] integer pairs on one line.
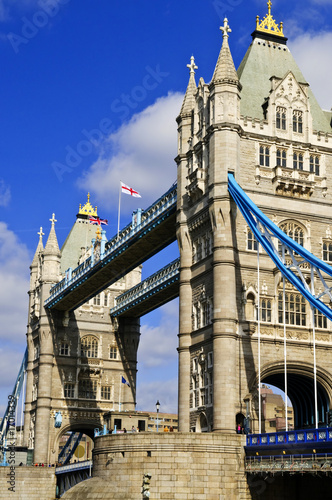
[[85, 427], [250, 305], [300, 381], [239, 421], [202, 423], [295, 230]]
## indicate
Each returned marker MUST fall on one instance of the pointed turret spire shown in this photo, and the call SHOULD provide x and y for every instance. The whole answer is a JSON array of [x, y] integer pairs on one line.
[[39, 249], [225, 69], [189, 99], [52, 246]]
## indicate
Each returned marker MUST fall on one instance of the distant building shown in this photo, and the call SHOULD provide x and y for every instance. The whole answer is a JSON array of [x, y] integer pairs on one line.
[[273, 412]]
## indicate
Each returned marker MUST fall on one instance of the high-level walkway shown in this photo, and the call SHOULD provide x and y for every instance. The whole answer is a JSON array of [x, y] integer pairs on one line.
[[135, 244], [152, 293]]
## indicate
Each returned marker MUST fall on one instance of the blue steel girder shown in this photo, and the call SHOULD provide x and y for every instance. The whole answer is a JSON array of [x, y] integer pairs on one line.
[[135, 245], [151, 293], [267, 234]]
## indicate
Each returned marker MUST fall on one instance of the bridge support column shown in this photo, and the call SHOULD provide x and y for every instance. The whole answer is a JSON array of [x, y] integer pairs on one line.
[[225, 381], [42, 427], [185, 327]]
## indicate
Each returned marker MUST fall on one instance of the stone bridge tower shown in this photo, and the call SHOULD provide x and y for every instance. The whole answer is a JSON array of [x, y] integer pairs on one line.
[[76, 360], [263, 124]]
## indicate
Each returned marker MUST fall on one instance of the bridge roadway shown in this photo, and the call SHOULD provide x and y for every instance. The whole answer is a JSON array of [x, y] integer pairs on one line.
[[136, 243], [308, 450]]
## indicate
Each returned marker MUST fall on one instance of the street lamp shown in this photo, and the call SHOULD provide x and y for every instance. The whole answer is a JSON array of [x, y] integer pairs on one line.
[[157, 408]]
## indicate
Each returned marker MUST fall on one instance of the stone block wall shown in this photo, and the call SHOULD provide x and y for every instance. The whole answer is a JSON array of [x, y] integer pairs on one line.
[[27, 483], [183, 466]]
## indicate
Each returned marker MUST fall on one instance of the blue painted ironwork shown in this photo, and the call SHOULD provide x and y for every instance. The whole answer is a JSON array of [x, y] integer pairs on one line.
[[72, 474], [8, 420], [265, 232], [152, 285], [300, 437], [139, 227], [69, 448]]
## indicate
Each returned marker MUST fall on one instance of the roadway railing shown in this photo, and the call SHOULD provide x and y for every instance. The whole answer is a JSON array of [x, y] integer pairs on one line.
[[320, 435], [311, 463], [86, 464]]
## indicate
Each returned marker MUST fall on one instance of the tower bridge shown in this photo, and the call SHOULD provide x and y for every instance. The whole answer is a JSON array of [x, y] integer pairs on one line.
[[251, 212]]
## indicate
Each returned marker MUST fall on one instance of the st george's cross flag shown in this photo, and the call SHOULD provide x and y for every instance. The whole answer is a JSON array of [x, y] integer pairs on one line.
[[130, 191], [124, 381], [97, 220]]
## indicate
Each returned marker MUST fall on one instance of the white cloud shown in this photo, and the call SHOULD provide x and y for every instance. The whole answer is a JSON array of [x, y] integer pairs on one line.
[[165, 391], [312, 53], [158, 343], [14, 266], [4, 194], [140, 153]]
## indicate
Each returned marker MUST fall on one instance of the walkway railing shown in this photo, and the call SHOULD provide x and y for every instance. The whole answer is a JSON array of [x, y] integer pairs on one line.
[[142, 224], [148, 287]]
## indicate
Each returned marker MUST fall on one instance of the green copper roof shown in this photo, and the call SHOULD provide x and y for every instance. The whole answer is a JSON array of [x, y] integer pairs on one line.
[[80, 236], [262, 61]]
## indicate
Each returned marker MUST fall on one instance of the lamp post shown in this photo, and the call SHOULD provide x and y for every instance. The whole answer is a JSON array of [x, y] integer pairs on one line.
[[157, 408]]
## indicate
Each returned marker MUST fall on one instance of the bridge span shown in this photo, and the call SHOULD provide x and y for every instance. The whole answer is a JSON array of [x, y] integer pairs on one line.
[[148, 234]]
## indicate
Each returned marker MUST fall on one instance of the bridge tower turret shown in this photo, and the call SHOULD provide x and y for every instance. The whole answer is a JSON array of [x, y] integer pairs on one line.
[[209, 123], [50, 272]]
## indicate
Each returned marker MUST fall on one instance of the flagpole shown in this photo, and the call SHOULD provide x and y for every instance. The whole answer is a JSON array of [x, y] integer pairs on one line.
[[119, 209]]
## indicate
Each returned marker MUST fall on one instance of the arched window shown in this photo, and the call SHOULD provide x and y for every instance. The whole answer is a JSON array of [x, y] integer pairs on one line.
[[251, 241], [89, 347], [281, 158], [294, 231], [297, 121], [327, 251], [266, 310], [295, 309], [281, 118], [314, 164], [298, 161]]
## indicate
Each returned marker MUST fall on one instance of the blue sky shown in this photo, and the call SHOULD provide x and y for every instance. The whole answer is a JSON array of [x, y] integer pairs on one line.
[[89, 93]]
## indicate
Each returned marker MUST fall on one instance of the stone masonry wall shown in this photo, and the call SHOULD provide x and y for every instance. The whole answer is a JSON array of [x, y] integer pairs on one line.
[[30, 483], [185, 466]]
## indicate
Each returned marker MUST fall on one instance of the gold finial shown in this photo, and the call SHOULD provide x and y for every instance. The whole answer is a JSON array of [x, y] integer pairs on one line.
[[268, 24], [88, 209]]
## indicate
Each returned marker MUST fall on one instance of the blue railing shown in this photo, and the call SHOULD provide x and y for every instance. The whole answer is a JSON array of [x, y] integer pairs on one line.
[[321, 435], [125, 237], [148, 287]]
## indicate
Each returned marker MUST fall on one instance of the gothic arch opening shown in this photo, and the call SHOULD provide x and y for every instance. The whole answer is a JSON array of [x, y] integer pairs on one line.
[[300, 389], [201, 424], [85, 445]]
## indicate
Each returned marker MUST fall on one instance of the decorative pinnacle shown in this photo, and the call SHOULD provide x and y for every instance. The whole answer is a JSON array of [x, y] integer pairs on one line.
[[53, 220], [225, 29], [269, 5], [41, 234], [192, 66]]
